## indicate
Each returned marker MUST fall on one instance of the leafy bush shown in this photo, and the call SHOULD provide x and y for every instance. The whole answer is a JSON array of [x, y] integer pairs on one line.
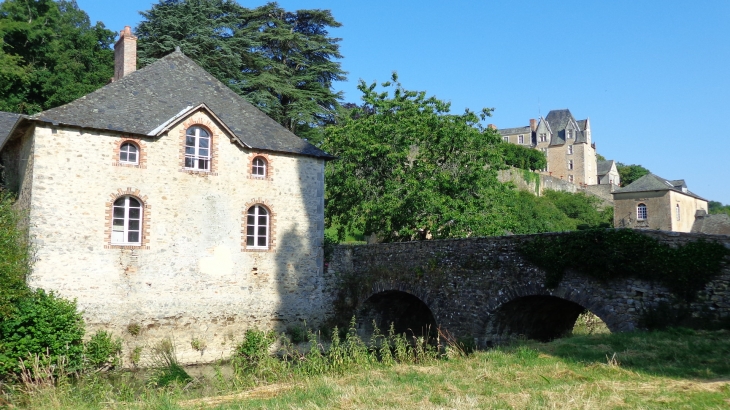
[[102, 351], [43, 324], [522, 157], [253, 349]]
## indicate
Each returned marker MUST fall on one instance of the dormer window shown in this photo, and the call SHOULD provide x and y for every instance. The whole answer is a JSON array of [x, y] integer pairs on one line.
[[543, 137], [129, 154], [197, 149], [570, 134]]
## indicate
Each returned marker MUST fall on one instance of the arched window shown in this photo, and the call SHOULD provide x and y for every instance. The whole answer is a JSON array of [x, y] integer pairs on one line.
[[129, 154], [257, 227], [127, 221], [258, 168], [641, 212], [197, 149]]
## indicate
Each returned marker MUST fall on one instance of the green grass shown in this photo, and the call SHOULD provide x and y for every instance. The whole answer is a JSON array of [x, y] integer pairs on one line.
[[670, 369]]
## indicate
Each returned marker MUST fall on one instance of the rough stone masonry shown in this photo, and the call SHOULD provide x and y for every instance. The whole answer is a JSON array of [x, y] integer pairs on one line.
[[483, 288]]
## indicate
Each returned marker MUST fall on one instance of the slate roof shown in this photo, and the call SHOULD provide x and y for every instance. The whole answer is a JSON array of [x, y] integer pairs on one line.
[[145, 99], [558, 121], [512, 131], [716, 224], [7, 121], [651, 182], [604, 167]]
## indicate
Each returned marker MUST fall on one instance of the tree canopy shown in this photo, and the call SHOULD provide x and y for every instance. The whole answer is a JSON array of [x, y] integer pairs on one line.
[[718, 208], [409, 169], [50, 54], [281, 61], [630, 173]]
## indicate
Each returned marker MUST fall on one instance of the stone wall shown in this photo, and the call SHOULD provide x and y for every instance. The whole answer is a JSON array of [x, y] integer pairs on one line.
[[193, 279], [517, 177], [471, 285]]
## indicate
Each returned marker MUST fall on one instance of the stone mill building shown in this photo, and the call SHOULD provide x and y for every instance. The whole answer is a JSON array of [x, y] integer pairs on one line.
[[168, 206]]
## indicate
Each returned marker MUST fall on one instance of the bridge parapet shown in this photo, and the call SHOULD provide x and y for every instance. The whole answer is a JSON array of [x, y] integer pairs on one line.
[[486, 288]]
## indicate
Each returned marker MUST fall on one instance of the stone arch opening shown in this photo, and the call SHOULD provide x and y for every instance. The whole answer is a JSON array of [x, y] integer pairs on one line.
[[407, 313], [537, 317]]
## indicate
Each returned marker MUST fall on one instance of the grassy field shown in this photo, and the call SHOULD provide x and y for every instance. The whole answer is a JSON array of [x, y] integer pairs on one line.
[[671, 369]]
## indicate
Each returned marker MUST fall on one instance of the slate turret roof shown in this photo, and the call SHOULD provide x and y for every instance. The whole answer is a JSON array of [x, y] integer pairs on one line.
[[145, 99], [651, 182], [558, 120]]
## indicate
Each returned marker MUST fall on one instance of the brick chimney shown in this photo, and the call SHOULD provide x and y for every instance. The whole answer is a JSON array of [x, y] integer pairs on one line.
[[533, 124], [492, 126], [125, 54]]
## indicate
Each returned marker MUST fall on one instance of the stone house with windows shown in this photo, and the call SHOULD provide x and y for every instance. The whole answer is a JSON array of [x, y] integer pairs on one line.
[[566, 142], [608, 173], [168, 206], [652, 202]]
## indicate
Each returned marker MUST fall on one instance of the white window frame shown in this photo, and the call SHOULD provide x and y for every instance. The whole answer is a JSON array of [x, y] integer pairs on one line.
[[127, 151], [259, 167], [570, 134], [570, 164], [570, 150], [505, 139], [521, 139], [641, 212], [543, 137], [253, 229], [570, 178], [120, 233], [194, 152]]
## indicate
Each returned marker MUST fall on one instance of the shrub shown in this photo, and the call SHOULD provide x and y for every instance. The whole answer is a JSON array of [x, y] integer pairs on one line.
[[102, 351], [253, 349], [43, 324]]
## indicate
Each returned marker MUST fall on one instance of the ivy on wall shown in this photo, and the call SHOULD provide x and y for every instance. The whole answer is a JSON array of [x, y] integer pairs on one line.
[[626, 253]]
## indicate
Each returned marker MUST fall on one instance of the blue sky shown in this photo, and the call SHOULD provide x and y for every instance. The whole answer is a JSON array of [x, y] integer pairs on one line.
[[652, 76]]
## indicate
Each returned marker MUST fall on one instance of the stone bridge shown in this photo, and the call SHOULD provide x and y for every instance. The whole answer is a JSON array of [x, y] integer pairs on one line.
[[484, 288]]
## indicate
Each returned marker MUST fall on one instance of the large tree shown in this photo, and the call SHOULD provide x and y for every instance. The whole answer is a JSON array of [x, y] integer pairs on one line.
[[630, 173], [50, 54], [283, 62], [408, 169]]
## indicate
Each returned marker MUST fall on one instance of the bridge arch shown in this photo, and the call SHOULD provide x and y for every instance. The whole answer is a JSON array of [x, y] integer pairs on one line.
[[542, 314], [406, 308]]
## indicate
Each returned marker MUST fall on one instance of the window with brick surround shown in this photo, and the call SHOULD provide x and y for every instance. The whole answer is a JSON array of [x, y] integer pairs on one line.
[[129, 154], [258, 168], [127, 221], [257, 227], [197, 149], [641, 213]]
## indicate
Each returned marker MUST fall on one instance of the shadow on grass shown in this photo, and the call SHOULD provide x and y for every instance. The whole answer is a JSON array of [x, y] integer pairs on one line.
[[679, 352]]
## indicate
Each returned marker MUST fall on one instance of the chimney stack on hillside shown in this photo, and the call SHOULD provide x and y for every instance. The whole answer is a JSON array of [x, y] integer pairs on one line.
[[125, 54], [533, 124]]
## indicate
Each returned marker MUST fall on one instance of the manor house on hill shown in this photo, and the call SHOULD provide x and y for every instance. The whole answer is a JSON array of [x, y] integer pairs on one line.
[[566, 142], [166, 203]]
